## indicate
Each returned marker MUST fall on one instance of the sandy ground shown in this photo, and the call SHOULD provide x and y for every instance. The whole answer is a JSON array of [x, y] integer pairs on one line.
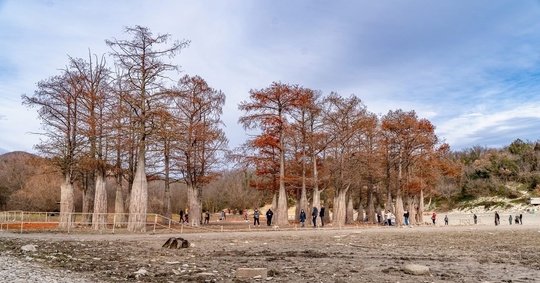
[[454, 253]]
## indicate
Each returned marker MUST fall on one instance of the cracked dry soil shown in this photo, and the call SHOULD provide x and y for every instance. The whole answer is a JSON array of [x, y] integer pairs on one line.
[[457, 254]]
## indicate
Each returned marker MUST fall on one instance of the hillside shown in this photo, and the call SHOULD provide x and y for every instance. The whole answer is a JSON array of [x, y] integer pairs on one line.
[[28, 182]]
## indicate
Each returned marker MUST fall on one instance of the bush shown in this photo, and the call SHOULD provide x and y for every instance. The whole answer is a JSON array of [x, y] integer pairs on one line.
[[488, 204]]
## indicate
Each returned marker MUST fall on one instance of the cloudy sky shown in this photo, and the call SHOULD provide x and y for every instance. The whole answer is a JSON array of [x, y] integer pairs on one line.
[[471, 67]]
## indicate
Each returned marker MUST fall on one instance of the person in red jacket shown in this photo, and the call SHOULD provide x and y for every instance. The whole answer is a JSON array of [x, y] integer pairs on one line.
[[433, 218]]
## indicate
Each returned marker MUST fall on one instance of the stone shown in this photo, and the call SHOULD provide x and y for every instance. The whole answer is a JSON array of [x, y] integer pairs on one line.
[[29, 248], [252, 272], [176, 243], [141, 271], [415, 269]]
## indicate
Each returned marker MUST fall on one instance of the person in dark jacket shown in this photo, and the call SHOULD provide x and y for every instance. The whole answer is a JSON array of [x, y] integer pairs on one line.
[[314, 215], [406, 216], [321, 214], [302, 217], [256, 215], [269, 215]]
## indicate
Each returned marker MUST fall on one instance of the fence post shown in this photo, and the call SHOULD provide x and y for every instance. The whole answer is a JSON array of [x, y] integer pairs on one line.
[[155, 222], [114, 222], [69, 221], [22, 220]]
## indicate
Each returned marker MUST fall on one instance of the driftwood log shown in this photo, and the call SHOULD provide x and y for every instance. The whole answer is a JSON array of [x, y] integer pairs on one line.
[[176, 243]]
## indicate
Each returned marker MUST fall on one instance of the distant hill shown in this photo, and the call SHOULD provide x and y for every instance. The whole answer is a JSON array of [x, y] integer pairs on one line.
[[16, 155]]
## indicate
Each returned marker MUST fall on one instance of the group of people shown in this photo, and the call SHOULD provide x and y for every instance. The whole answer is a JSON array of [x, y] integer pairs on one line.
[[257, 215], [389, 217], [314, 214], [184, 217], [518, 219]]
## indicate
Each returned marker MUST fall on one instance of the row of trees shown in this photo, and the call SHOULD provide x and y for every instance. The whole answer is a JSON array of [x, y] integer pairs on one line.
[[309, 143], [98, 121]]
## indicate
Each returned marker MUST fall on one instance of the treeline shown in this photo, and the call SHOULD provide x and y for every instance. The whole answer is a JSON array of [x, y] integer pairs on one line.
[[31, 183], [511, 172]]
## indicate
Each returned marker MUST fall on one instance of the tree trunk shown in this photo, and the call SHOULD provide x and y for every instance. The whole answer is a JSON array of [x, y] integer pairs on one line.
[[421, 208], [360, 217], [282, 217], [67, 202], [370, 206], [119, 212], [168, 208], [274, 201], [411, 208], [100, 219], [349, 215], [399, 195], [139, 198], [282, 208], [389, 204], [88, 197], [340, 206], [167, 201], [195, 209], [399, 208]]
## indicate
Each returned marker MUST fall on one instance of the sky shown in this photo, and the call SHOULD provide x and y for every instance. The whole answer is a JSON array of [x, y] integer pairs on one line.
[[470, 67]]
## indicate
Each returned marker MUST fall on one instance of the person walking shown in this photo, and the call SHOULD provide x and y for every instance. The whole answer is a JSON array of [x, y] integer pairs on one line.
[[520, 219], [321, 214], [510, 219], [181, 213], [388, 217], [223, 215], [302, 218], [207, 217], [314, 215], [406, 216], [256, 215], [269, 215], [475, 218], [446, 220], [434, 218], [497, 218]]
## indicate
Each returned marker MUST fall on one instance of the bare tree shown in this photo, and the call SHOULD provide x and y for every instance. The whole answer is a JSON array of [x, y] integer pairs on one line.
[[145, 72], [58, 99], [94, 121], [267, 110], [196, 110], [408, 139], [344, 117]]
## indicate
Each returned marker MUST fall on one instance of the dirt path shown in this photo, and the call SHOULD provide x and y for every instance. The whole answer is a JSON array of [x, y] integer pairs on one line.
[[453, 254]]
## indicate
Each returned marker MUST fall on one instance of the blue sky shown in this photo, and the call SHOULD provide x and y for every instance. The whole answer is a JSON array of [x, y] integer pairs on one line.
[[471, 67]]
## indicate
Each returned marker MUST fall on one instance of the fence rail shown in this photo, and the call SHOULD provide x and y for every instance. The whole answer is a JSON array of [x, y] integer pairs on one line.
[[104, 222]]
